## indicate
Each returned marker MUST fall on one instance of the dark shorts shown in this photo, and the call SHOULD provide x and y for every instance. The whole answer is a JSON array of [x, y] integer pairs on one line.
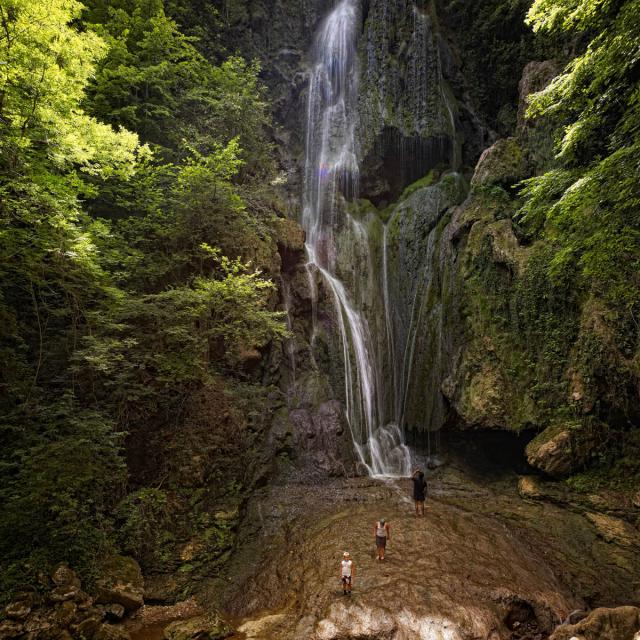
[[381, 541], [346, 579], [419, 498]]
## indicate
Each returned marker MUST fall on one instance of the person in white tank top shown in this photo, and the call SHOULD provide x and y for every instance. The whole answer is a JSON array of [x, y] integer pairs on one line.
[[347, 573], [382, 534]]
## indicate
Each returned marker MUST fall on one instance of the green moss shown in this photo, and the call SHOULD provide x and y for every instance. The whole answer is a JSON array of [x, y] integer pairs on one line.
[[426, 181]]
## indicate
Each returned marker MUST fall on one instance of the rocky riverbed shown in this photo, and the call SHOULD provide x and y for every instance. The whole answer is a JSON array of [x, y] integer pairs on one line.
[[485, 562]]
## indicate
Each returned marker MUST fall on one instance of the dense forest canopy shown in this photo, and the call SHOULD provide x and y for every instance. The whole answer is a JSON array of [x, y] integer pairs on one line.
[[130, 260], [138, 234]]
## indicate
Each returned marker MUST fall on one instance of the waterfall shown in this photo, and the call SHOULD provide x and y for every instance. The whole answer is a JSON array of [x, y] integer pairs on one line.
[[331, 176]]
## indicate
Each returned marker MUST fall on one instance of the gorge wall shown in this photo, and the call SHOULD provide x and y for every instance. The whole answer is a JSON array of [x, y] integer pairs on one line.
[[467, 327]]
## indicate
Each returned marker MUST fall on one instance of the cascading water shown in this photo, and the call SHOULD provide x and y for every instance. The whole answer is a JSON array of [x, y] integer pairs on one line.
[[331, 175]]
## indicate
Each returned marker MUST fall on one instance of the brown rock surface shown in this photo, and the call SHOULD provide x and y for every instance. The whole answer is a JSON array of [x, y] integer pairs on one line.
[[621, 623], [483, 561]]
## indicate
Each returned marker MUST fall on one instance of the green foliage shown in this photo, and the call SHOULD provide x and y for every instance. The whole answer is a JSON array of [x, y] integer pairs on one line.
[[46, 65], [591, 203], [61, 472], [143, 518], [618, 468], [120, 291], [155, 82], [546, 322]]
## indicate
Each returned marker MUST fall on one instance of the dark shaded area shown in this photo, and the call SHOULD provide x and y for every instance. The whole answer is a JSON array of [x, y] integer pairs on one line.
[[398, 160], [497, 44], [490, 453]]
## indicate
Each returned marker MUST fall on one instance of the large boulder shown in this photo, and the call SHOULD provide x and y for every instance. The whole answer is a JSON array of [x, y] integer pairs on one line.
[[207, 627], [121, 582], [503, 164], [64, 576], [622, 623], [559, 450]]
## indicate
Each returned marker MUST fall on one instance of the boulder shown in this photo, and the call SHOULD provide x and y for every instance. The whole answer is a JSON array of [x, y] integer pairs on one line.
[[63, 576], [121, 582], [559, 450], [89, 627], [66, 613], [207, 627], [115, 612], [17, 610], [64, 593], [41, 625], [622, 623], [10, 629], [502, 164]]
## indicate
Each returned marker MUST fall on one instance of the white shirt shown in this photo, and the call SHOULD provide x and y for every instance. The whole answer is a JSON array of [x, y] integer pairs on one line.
[[346, 568]]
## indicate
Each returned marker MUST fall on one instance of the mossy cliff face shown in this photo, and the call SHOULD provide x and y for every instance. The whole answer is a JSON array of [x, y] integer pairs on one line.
[[467, 325], [525, 348], [407, 109]]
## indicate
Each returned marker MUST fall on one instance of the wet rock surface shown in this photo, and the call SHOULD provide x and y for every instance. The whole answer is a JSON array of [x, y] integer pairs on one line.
[[483, 563]]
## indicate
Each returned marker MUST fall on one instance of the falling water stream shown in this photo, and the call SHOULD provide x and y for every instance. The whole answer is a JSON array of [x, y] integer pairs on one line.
[[331, 175]]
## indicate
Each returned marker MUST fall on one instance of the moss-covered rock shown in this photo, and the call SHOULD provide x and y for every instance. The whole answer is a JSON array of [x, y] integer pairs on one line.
[[502, 164], [565, 447], [552, 451], [120, 582]]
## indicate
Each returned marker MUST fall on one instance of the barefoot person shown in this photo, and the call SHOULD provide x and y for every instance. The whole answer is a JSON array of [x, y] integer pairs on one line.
[[347, 573], [381, 533], [419, 490]]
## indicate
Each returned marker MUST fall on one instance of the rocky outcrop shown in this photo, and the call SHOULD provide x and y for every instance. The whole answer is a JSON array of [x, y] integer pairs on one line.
[[483, 564], [317, 439], [561, 449], [622, 623], [502, 164], [535, 77]]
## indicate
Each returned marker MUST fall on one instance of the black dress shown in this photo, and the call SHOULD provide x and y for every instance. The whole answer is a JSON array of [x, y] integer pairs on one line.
[[419, 487]]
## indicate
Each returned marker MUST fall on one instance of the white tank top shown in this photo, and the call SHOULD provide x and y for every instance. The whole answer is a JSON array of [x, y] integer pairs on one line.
[[381, 531], [346, 568]]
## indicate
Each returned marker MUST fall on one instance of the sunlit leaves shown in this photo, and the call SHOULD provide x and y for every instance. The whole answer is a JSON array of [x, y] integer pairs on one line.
[[46, 65], [591, 203]]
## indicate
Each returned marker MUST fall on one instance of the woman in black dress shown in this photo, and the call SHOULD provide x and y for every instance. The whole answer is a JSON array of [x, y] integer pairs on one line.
[[419, 491]]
